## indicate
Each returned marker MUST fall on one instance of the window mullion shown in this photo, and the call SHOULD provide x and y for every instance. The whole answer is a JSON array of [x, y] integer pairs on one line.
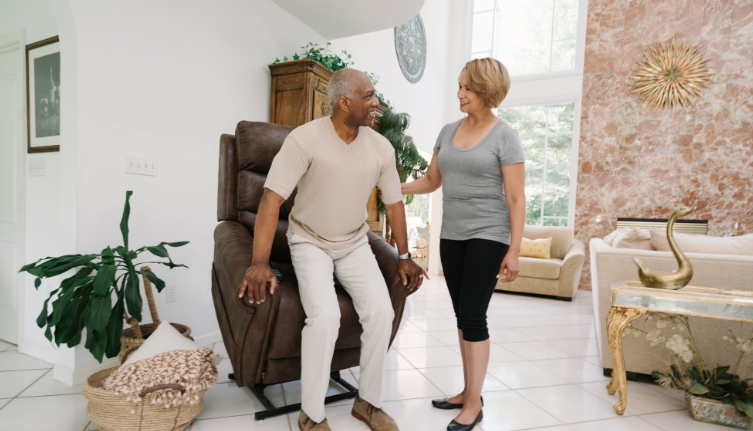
[[546, 163], [551, 35]]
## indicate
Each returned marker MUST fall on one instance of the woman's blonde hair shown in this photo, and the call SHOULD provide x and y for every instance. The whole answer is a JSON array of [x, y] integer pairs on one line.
[[489, 79]]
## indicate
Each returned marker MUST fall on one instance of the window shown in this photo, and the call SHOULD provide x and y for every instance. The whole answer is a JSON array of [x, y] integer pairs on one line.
[[528, 36], [546, 132]]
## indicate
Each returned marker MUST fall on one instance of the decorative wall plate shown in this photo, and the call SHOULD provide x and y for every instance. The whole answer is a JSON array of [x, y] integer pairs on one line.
[[410, 46], [671, 75]]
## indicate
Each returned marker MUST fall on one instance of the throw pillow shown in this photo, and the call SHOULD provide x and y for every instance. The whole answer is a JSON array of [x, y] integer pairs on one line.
[[609, 239], [691, 243], [164, 339], [540, 248], [635, 238]]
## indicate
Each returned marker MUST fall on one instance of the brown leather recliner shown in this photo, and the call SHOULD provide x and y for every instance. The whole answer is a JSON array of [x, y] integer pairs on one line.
[[263, 340]]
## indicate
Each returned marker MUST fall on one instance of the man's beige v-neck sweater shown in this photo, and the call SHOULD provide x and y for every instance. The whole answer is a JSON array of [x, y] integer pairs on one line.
[[334, 181]]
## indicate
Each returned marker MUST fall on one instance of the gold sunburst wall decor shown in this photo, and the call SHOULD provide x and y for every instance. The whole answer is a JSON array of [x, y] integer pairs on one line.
[[671, 75]]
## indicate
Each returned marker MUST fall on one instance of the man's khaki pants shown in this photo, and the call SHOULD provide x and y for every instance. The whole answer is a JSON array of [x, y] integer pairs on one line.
[[358, 272]]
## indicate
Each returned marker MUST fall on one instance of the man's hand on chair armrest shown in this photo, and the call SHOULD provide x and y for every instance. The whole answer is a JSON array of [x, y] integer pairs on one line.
[[255, 281], [259, 274]]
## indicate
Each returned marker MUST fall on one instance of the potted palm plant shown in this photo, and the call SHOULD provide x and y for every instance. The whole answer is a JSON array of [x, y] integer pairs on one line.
[[409, 161], [102, 291]]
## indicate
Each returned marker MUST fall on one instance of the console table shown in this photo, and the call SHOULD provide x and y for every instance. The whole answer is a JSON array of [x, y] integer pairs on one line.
[[631, 300]]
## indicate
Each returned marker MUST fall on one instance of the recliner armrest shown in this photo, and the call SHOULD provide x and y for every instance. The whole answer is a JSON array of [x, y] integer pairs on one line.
[[233, 253]]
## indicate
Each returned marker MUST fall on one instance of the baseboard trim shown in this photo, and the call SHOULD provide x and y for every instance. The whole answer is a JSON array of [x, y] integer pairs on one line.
[[208, 339], [44, 353], [78, 377], [535, 295]]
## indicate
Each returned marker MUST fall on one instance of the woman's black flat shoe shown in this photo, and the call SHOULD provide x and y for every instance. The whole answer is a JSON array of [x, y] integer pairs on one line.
[[454, 426], [444, 405]]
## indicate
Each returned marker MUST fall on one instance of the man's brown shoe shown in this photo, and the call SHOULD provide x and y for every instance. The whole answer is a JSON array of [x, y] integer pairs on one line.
[[305, 423], [375, 418]]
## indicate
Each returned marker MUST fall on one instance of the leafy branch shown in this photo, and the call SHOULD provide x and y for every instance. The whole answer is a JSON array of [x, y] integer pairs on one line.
[[410, 163], [97, 295], [333, 62], [323, 55]]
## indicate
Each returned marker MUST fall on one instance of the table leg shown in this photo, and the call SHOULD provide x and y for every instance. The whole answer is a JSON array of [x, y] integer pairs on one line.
[[618, 319]]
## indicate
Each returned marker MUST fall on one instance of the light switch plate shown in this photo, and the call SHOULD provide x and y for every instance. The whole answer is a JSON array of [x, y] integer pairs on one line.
[[141, 166], [37, 166], [170, 293]]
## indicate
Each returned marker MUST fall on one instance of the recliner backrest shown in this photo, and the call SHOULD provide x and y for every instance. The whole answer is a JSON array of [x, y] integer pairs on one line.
[[244, 164]]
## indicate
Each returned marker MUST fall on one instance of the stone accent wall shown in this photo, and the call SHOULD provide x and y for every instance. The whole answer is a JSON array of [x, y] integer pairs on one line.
[[637, 162]]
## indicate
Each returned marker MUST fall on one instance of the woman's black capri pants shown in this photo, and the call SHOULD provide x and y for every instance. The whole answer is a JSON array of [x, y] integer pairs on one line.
[[470, 270]]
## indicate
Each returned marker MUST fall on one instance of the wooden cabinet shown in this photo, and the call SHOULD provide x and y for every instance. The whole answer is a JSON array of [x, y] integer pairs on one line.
[[299, 92], [299, 95]]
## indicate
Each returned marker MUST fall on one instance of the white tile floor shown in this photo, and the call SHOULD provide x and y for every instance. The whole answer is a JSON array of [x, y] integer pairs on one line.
[[544, 374]]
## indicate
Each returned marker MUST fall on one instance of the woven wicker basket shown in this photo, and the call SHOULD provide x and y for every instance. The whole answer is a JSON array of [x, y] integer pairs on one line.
[[112, 412]]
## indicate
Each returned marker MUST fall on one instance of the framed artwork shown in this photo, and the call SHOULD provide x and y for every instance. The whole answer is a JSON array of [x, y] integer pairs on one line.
[[43, 95]]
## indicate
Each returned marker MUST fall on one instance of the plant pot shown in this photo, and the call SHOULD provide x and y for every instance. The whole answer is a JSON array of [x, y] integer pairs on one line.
[[716, 412], [129, 339]]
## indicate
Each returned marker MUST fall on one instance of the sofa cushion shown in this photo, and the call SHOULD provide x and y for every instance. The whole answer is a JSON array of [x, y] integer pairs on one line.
[[548, 269], [691, 243], [536, 248], [633, 238], [609, 239], [562, 238]]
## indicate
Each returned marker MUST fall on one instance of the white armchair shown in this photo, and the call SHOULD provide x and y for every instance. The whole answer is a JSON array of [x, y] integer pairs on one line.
[[558, 276]]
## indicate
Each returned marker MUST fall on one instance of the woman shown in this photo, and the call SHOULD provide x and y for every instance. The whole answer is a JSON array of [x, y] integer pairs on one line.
[[480, 162]]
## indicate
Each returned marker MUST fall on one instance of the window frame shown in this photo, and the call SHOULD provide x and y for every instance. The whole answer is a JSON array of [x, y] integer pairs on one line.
[[576, 100], [580, 44]]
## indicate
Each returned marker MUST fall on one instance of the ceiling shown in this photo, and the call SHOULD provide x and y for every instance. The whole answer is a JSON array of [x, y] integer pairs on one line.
[[334, 19]]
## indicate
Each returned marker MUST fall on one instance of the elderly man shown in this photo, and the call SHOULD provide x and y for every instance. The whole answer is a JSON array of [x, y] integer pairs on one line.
[[335, 162]]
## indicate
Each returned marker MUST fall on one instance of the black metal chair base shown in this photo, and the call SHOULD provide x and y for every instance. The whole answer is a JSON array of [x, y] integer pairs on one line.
[[271, 410]]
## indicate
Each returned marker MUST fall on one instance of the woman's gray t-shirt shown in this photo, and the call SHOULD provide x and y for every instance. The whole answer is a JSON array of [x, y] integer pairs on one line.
[[474, 203]]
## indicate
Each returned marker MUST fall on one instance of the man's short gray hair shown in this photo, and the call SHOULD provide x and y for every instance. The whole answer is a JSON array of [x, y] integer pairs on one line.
[[341, 84]]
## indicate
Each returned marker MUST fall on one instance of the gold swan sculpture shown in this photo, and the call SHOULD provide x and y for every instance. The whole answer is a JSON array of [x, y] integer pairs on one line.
[[678, 278]]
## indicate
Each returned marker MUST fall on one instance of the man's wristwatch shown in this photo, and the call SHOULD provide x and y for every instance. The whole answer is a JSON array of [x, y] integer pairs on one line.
[[405, 256]]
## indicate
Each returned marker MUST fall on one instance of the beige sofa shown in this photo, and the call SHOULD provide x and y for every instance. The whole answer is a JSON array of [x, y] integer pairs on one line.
[[558, 276], [726, 271]]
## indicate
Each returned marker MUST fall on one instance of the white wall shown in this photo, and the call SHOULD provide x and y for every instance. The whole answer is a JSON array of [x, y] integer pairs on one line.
[[431, 102], [42, 192], [164, 80], [35, 16]]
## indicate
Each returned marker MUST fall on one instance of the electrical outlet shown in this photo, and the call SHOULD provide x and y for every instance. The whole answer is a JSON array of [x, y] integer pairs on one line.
[[170, 293], [141, 166], [37, 166]]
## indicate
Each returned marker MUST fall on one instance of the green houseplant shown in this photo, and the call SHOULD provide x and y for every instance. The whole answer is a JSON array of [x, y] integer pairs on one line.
[[409, 161], [95, 298], [714, 394], [333, 62]]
